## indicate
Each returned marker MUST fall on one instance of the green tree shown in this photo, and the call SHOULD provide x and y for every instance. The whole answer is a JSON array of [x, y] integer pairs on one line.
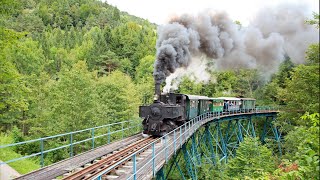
[[27, 56], [302, 91], [13, 90], [301, 145], [118, 98], [252, 161], [315, 20], [69, 103], [188, 86], [145, 68], [13, 94]]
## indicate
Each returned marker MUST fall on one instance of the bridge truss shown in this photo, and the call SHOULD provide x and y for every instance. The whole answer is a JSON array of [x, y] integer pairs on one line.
[[217, 140]]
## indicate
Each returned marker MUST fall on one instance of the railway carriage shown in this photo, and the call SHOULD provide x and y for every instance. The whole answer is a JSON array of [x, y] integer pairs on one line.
[[204, 104], [192, 108], [216, 105], [247, 104], [231, 104]]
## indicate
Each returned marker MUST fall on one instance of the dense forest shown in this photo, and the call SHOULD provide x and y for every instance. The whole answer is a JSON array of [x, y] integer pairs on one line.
[[67, 65]]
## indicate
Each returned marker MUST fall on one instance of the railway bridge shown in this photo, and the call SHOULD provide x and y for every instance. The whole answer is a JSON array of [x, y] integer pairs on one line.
[[209, 138]]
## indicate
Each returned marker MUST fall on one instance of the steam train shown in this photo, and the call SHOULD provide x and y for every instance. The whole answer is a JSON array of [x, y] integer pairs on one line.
[[171, 110]]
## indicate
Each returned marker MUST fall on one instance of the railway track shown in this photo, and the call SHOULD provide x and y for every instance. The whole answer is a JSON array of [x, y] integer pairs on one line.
[[63, 168], [107, 161]]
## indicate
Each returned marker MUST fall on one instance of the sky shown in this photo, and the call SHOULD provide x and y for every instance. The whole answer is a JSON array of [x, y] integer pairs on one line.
[[159, 11]]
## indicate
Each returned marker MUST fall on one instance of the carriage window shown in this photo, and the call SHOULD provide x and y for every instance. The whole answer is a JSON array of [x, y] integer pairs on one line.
[[193, 104]]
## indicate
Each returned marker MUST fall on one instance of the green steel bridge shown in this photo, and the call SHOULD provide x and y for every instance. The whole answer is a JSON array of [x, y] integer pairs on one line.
[[210, 138]]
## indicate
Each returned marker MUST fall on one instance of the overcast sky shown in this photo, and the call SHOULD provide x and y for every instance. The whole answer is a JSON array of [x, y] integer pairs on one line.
[[158, 11]]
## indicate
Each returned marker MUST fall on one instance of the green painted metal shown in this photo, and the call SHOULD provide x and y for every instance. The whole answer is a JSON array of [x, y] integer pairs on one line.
[[216, 105], [109, 134], [219, 139], [252, 127], [193, 108], [195, 150], [42, 155], [134, 160], [204, 106], [175, 164], [247, 104], [240, 135], [73, 140], [71, 144], [209, 141], [161, 174], [153, 161], [191, 169], [92, 137]]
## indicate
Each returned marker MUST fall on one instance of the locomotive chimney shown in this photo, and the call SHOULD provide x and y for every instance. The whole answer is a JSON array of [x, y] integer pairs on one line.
[[157, 92]]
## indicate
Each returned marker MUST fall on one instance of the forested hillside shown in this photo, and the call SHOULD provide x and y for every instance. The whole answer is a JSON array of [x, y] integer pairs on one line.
[[70, 64], [67, 65]]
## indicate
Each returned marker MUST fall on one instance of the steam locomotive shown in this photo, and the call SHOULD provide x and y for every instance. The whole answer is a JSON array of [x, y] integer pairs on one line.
[[171, 110]]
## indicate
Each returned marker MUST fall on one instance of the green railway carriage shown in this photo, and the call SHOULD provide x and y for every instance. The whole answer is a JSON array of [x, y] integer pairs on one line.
[[192, 106], [216, 105], [247, 103], [204, 104]]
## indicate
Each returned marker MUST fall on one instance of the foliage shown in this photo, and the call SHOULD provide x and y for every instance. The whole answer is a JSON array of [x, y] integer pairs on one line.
[[302, 153], [68, 103], [302, 92], [117, 97], [312, 54], [252, 161], [22, 166], [188, 86], [13, 90], [315, 20]]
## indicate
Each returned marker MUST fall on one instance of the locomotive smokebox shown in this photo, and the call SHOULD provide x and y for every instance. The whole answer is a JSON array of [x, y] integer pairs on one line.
[[157, 92]]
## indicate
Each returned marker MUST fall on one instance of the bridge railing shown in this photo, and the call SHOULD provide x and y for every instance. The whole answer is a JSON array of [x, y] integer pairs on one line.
[[179, 137], [111, 132]]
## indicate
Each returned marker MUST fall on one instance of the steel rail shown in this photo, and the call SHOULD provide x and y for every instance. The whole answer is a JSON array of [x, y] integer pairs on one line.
[[105, 163]]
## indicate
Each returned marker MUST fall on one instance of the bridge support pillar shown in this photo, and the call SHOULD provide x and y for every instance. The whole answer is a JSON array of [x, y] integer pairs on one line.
[[240, 135], [160, 174], [190, 165], [195, 153], [267, 126], [221, 143], [252, 127], [209, 143]]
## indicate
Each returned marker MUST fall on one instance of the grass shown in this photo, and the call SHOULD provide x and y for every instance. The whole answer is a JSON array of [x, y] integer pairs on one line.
[[22, 166]]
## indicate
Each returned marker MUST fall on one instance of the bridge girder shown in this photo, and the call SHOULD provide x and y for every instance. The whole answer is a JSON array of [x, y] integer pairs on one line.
[[218, 140]]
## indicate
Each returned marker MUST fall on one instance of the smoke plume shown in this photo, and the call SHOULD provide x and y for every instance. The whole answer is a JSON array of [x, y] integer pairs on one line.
[[188, 43]]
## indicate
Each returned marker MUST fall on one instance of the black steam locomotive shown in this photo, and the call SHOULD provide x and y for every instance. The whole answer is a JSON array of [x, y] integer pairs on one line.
[[172, 110]]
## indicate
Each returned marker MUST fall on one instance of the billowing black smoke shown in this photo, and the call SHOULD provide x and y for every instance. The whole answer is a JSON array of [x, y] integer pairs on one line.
[[261, 45]]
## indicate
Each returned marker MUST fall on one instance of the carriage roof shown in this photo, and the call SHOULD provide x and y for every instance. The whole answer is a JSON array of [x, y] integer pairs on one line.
[[229, 98], [251, 99], [197, 97]]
